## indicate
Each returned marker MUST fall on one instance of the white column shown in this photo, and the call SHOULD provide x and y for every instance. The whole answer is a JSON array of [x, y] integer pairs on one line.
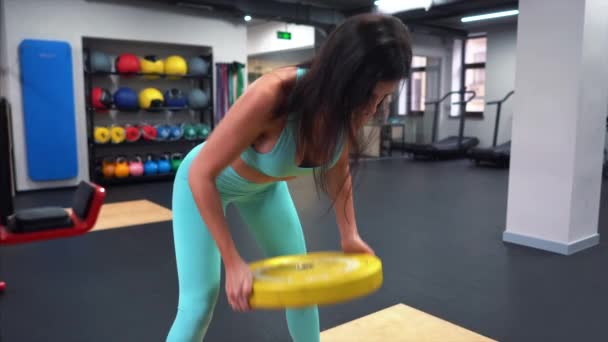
[[558, 132]]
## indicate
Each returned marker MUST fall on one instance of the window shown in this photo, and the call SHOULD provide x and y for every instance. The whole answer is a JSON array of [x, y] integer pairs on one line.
[[471, 74], [475, 73], [412, 92]]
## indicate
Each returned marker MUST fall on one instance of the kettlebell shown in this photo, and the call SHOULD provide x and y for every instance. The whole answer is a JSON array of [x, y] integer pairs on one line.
[[122, 168], [163, 132], [136, 166], [189, 132], [108, 168], [101, 135], [164, 165], [118, 134], [150, 166], [176, 161]]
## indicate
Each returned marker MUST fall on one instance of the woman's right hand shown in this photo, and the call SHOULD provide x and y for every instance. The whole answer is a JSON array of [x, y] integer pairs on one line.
[[239, 282]]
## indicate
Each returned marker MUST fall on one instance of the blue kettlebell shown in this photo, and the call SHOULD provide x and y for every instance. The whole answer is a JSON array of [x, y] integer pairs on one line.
[[164, 164], [163, 132], [150, 167]]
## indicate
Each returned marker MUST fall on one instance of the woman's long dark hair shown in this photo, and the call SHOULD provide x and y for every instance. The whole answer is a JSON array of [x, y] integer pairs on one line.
[[362, 51]]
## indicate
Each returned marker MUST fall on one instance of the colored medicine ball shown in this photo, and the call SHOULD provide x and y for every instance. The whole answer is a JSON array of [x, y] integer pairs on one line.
[[175, 98], [125, 99], [127, 64], [101, 98], [189, 132], [148, 132], [175, 66], [152, 66], [198, 99], [150, 97], [176, 132], [163, 132], [197, 66], [101, 135], [100, 62], [202, 130]]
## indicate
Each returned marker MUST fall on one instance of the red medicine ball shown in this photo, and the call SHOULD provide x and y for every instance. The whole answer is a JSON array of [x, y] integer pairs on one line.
[[101, 98], [127, 64]]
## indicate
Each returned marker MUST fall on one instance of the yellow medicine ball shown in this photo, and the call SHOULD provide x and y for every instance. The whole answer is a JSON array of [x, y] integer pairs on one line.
[[101, 135], [152, 66], [175, 66], [151, 97]]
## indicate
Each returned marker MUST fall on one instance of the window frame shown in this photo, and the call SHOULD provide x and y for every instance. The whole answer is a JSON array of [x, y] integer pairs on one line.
[[463, 72], [409, 91]]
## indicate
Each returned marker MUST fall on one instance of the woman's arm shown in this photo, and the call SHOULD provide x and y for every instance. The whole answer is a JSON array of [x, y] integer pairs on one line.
[[341, 192]]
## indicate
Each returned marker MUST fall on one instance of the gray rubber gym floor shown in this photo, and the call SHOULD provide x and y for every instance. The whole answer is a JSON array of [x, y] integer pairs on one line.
[[437, 227]]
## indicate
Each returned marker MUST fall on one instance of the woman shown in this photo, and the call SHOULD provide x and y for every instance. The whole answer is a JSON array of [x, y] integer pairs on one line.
[[291, 122]]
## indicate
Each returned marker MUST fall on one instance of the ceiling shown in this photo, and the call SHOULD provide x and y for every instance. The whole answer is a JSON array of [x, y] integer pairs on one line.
[[446, 14], [340, 5]]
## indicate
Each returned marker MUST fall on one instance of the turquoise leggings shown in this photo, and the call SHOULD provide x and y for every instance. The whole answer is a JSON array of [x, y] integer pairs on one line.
[[271, 215]]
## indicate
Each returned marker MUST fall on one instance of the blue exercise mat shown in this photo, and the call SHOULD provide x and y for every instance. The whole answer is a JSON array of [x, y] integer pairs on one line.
[[48, 109]]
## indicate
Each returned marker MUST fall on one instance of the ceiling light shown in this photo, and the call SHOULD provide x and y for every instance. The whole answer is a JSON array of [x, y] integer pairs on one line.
[[247, 18], [396, 6], [489, 16]]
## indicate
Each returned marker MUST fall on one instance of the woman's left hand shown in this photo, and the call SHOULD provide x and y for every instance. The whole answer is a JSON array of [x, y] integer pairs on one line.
[[354, 244]]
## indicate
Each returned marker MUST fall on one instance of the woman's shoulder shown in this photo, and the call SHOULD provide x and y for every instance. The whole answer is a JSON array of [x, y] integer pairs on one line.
[[275, 85]]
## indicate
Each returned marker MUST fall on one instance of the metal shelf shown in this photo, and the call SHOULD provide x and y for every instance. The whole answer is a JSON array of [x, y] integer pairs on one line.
[[139, 74]]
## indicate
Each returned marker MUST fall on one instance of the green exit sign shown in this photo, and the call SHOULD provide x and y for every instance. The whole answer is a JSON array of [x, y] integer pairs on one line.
[[283, 35]]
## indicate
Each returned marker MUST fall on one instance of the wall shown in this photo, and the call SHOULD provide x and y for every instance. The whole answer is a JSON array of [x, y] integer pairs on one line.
[[500, 79], [70, 20], [262, 37]]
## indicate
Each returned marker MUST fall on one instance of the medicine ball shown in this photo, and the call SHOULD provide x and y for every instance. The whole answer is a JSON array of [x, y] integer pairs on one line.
[[148, 132], [175, 98], [101, 135], [202, 130], [100, 62], [198, 99], [163, 132], [152, 66], [197, 66], [101, 98], [132, 133], [177, 132], [175, 66], [118, 134], [151, 97], [189, 131], [125, 98], [127, 64]]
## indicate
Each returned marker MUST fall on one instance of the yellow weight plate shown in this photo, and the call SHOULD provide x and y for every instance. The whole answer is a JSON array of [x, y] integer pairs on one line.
[[319, 278]]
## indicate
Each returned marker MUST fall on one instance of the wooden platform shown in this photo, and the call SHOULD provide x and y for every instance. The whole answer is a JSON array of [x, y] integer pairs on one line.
[[400, 323], [131, 213]]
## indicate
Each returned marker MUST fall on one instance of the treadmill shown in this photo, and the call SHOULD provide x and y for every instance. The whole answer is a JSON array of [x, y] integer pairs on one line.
[[450, 147], [497, 155]]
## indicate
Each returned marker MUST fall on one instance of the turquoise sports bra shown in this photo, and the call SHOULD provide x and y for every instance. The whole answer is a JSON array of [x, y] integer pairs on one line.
[[281, 160]]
